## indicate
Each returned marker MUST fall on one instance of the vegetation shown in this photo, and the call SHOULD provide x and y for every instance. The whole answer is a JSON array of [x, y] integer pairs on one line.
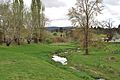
[[32, 46], [18, 23], [83, 16], [102, 63], [37, 19], [32, 62]]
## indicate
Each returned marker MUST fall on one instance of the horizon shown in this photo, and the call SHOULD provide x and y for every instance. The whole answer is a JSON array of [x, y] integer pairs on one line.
[[56, 11]]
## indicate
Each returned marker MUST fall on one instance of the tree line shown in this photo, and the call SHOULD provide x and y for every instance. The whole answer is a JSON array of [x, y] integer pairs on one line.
[[18, 23]]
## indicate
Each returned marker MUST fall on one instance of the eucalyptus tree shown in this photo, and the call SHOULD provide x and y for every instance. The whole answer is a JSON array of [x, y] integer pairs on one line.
[[16, 22], [1, 34], [42, 23], [83, 15], [18, 10], [5, 22], [34, 20], [37, 18], [28, 26], [21, 13]]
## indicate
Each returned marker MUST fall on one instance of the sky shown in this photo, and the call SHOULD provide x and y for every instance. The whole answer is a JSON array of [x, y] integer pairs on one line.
[[56, 11]]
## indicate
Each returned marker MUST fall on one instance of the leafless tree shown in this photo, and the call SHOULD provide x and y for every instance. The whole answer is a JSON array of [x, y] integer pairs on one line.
[[108, 24], [83, 15]]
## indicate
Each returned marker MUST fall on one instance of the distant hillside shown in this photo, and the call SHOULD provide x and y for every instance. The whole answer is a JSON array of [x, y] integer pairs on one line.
[[54, 28]]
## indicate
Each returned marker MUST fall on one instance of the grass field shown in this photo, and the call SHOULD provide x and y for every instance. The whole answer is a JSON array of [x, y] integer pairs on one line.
[[101, 63], [29, 62], [33, 62]]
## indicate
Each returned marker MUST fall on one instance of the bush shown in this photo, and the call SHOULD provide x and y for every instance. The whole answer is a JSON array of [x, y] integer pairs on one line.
[[54, 34], [48, 40], [98, 44], [116, 51], [59, 39]]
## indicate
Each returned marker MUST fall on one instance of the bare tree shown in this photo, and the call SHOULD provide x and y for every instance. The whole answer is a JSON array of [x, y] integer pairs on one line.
[[83, 15], [108, 24]]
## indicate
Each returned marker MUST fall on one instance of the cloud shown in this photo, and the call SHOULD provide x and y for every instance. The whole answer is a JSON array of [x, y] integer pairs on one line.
[[60, 23], [56, 13], [60, 19], [56, 10], [114, 10], [4, 1], [53, 3], [111, 11], [112, 2]]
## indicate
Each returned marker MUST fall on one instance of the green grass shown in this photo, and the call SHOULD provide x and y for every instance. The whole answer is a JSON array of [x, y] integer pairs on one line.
[[33, 62], [100, 63]]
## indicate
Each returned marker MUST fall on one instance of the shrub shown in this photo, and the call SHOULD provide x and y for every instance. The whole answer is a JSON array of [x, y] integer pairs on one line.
[[55, 34], [59, 39], [48, 40]]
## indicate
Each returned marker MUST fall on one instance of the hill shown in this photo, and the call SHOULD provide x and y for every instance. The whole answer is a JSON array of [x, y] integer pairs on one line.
[[56, 28]]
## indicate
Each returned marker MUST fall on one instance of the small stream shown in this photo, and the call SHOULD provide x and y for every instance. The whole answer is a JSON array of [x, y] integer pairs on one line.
[[64, 60]]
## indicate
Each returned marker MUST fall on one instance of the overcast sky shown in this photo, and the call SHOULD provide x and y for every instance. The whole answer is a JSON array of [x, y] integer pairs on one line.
[[56, 11]]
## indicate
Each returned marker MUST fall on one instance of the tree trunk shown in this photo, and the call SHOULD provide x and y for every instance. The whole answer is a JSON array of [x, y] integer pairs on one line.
[[35, 40], [18, 41], [8, 42], [86, 42], [28, 40], [1, 38], [86, 36]]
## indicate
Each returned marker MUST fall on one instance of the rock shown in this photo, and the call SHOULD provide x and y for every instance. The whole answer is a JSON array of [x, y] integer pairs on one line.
[[60, 59]]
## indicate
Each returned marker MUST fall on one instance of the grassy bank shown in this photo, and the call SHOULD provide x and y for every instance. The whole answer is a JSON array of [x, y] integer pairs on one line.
[[33, 62], [30, 62], [101, 63]]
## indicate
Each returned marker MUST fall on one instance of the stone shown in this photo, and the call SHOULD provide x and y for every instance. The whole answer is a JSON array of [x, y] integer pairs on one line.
[[59, 59]]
